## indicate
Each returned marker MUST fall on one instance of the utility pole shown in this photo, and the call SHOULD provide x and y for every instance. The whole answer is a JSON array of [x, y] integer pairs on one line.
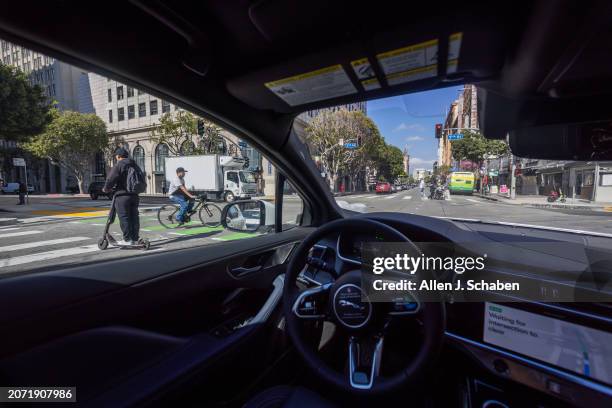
[[512, 178]]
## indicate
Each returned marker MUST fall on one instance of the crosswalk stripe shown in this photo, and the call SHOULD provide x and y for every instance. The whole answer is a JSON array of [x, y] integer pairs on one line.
[[43, 256], [18, 234], [390, 197], [472, 200], [35, 244], [407, 197], [8, 229]]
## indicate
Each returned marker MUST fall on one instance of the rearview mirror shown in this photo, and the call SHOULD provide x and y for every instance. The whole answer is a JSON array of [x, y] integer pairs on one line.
[[246, 216], [579, 141]]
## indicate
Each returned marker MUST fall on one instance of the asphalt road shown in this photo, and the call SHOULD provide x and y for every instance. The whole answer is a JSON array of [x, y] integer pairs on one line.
[[66, 235], [476, 208]]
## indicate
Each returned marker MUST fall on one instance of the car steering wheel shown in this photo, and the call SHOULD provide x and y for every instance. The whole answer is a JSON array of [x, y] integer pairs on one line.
[[351, 312]]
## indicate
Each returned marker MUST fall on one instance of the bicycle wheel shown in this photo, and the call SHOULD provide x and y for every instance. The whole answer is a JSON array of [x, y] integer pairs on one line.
[[166, 215], [210, 215]]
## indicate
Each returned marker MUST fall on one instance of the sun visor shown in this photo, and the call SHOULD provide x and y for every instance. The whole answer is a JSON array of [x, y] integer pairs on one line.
[[392, 64]]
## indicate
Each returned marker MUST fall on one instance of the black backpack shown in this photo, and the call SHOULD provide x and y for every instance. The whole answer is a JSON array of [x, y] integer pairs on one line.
[[135, 182]]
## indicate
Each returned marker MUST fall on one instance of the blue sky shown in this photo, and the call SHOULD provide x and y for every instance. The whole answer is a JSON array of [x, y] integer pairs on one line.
[[409, 121]]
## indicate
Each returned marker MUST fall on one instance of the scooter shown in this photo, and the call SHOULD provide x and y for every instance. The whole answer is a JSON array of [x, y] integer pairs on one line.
[[107, 239], [439, 193]]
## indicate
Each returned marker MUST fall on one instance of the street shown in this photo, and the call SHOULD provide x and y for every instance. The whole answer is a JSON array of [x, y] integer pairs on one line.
[[66, 231], [477, 208]]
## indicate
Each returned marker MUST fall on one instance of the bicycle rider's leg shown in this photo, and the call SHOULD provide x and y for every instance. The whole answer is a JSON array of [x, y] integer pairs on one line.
[[190, 206], [182, 202]]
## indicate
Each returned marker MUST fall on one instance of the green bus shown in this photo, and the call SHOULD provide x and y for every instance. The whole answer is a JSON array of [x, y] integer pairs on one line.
[[461, 182]]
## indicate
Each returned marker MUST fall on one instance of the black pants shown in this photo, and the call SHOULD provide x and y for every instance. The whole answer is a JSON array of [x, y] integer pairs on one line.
[[21, 198], [127, 211]]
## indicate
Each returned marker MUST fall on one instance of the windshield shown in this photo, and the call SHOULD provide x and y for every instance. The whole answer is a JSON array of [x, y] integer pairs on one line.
[[429, 147], [246, 177]]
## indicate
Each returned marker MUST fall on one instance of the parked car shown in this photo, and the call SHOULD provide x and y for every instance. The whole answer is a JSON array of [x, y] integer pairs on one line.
[[95, 190], [13, 188], [383, 188]]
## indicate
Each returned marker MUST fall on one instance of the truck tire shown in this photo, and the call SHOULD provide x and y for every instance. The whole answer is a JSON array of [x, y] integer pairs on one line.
[[229, 197]]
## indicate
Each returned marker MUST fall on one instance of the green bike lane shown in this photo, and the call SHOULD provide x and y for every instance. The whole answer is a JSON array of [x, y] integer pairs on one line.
[[151, 229]]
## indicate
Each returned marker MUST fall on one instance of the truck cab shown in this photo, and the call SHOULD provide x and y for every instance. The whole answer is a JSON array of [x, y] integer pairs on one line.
[[239, 184]]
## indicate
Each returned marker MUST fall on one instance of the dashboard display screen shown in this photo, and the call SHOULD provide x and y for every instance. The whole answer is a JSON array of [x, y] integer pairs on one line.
[[576, 348]]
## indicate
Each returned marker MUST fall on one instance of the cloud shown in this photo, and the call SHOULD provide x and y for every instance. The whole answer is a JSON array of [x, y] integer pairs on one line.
[[414, 138], [417, 162], [412, 126]]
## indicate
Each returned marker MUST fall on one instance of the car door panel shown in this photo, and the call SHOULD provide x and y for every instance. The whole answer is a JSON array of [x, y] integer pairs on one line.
[[155, 305]]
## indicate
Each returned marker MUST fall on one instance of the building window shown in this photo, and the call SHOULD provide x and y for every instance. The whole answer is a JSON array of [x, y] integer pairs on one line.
[[269, 169], [139, 157], [161, 152], [119, 93], [140, 92], [110, 116], [131, 112], [130, 91], [187, 148], [165, 106], [142, 110], [120, 114], [153, 108]]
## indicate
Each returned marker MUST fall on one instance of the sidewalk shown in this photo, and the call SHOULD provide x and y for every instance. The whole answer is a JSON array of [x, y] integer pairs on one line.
[[539, 201]]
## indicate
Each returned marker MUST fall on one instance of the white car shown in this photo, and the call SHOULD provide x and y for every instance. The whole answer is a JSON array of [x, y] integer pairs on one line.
[[13, 188]]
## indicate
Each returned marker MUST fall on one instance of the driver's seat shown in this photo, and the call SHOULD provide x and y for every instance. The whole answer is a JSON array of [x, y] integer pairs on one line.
[[287, 397]]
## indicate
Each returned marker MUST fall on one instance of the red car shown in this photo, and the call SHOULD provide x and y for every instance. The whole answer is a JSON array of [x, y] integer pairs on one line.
[[383, 188]]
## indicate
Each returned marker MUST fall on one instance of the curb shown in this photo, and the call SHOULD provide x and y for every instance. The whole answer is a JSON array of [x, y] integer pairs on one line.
[[551, 205]]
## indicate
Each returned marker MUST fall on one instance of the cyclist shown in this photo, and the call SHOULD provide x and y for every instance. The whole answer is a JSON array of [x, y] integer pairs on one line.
[[180, 195]]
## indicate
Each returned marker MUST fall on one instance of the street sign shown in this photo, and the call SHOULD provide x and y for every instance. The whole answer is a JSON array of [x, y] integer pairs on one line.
[[242, 144], [18, 161], [350, 145], [455, 136]]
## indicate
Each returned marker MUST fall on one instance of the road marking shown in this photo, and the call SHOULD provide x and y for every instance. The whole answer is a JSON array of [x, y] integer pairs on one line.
[[43, 256], [8, 229], [472, 200], [27, 245], [407, 197], [390, 197], [18, 234]]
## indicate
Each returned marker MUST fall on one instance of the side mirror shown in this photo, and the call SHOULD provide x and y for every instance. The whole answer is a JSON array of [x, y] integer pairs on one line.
[[246, 216]]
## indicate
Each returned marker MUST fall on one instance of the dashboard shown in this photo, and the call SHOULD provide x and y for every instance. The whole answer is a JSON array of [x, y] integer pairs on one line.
[[562, 350]]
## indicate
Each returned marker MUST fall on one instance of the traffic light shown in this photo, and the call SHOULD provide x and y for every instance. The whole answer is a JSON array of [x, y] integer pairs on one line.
[[438, 130], [246, 162], [200, 127]]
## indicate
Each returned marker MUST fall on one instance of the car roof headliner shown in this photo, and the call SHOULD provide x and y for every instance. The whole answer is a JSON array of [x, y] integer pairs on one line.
[[215, 56]]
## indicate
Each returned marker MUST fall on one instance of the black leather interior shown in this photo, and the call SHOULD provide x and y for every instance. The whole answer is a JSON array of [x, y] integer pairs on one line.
[[289, 397]]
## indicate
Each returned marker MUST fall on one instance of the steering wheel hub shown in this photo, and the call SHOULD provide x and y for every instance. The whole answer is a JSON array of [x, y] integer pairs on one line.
[[351, 306]]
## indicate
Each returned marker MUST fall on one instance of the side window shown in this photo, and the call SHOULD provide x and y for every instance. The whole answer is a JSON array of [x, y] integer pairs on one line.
[[231, 176], [161, 141]]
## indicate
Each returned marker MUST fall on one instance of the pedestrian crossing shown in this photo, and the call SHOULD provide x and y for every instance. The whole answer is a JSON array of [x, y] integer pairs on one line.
[[47, 255]]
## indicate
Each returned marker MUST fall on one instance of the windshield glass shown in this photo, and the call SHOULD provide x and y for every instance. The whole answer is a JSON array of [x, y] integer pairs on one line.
[[246, 177], [430, 149]]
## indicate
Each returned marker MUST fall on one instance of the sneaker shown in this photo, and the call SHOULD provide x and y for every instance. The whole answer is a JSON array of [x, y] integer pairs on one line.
[[180, 223], [134, 243], [124, 242]]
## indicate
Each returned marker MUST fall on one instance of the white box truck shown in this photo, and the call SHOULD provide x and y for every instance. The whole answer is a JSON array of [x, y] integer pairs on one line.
[[219, 177]]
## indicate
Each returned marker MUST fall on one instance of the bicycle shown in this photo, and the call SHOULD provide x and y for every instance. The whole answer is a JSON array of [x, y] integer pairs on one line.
[[208, 213]]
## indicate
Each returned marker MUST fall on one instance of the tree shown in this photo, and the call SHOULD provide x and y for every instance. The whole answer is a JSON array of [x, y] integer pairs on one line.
[[24, 109], [329, 131], [175, 130], [391, 162], [474, 147], [71, 140]]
